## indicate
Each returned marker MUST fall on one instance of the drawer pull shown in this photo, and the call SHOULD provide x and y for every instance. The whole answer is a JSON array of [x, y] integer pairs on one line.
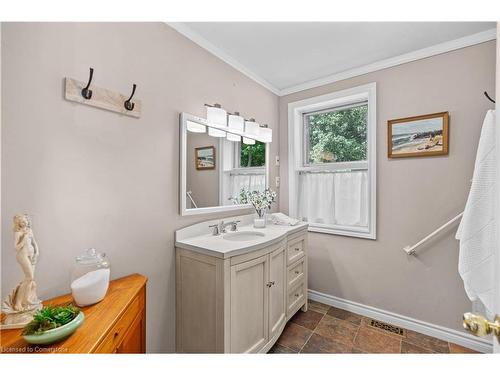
[[297, 272], [270, 284], [116, 334], [296, 294], [297, 249]]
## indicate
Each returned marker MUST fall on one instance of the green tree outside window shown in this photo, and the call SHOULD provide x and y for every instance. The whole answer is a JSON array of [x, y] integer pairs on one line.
[[338, 136], [253, 155]]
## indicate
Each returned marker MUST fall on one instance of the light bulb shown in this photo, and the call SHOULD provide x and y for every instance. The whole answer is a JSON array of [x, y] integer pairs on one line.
[[216, 133], [252, 130], [265, 135], [237, 123], [194, 127], [248, 141], [216, 116]]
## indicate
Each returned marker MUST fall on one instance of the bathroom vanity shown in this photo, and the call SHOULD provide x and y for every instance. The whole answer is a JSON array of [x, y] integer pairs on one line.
[[236, 290]]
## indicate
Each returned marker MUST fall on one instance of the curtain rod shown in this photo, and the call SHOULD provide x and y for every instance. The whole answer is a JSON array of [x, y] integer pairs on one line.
[[335, 171], [247, 174]]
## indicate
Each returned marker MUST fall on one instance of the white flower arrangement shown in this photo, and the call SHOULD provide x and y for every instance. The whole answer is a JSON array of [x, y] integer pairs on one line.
[[260, 200]]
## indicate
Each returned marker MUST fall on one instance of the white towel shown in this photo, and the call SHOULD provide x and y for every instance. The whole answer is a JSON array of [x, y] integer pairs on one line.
[[477, 230], [281, 219]]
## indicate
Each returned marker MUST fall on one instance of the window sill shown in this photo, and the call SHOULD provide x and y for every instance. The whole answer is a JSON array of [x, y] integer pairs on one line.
[[340, 232]]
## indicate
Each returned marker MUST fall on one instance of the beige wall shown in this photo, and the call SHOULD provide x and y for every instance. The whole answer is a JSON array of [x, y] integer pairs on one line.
[[203, 183], [93, 178], [415, 196]]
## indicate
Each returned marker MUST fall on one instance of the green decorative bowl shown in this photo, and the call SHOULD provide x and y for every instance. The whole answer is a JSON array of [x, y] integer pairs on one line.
[[56, 334]]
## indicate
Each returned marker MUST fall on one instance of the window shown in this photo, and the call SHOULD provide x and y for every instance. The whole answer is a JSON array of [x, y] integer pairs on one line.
[[336, 135], [332, 162], [250, 155], [243, 167], [249, 170]]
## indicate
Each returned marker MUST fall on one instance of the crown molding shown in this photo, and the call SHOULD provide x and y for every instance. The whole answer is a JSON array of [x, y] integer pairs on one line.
[[437, 49], [202, 42]]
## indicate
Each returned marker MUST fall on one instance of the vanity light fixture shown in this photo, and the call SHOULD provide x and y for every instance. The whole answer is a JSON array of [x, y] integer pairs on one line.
[[235, 122], [218, 117], [232, 126], [195, 127], [251, 129], [265, 134]]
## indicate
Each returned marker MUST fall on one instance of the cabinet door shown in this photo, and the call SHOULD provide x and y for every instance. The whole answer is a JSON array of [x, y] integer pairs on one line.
[[277, 296], [249, 305], [134, 340]]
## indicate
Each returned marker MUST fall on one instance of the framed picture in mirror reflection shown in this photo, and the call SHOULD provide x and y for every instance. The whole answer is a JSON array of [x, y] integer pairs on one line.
[[204, 157]]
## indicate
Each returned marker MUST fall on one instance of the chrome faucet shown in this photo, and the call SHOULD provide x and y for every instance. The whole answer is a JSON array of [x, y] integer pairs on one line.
[[221, 227], [233, 224]]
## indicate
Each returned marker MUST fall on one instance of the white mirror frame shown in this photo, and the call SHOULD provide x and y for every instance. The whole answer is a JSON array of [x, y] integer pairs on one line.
[[183, 118]]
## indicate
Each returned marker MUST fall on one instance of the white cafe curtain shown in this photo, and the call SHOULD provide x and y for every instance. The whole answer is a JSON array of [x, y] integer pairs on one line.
[[338, 198]]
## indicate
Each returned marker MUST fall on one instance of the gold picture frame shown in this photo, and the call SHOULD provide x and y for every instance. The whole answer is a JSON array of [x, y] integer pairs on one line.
[[204, 158], [426, 135]]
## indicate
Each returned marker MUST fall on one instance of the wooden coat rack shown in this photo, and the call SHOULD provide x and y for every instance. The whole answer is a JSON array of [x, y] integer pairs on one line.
[[78, 91]]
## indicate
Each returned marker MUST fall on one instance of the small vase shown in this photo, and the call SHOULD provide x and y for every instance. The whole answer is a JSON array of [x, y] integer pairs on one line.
[[260, 221]]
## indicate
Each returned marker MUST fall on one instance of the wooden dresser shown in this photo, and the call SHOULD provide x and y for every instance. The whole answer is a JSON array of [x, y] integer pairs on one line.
[[117, 324]]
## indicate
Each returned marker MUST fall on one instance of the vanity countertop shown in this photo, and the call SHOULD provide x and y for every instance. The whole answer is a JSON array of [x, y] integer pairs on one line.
[[199, 237]]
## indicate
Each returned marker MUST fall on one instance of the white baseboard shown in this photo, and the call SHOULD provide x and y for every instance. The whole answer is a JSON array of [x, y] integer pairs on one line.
[[443, 333]]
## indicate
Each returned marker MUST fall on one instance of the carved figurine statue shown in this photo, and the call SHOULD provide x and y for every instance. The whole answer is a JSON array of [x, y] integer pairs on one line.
[[22, 303]]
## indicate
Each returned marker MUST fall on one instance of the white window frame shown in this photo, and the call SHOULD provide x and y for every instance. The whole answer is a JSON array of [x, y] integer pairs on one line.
[[296, 144], [234, 149]]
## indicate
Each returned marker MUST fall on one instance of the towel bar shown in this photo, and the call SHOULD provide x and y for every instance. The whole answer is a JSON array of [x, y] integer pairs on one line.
[[410, 250]]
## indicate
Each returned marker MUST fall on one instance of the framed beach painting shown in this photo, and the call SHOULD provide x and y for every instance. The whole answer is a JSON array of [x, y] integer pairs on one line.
[[204, 157], [425, 135]]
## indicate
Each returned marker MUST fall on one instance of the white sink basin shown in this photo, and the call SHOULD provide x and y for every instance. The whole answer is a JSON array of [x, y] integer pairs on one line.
[[247, 235]]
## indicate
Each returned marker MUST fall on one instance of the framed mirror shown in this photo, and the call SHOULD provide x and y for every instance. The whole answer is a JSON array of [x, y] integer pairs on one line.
[[213, 169]]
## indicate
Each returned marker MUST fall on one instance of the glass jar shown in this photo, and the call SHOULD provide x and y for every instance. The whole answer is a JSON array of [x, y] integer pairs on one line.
[[90, 277]]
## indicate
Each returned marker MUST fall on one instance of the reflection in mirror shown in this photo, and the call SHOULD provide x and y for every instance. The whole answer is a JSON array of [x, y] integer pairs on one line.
[[246, 170], [216, 170]]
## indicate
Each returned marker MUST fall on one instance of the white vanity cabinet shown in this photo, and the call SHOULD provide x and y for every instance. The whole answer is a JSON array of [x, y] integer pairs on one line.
[[240, 303], [277, 291], [250, 305]]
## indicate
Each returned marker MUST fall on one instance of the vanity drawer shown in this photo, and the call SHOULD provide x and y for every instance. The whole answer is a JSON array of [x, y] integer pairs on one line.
[[296, 272], [296, 298], [115, 336], [296, 250]]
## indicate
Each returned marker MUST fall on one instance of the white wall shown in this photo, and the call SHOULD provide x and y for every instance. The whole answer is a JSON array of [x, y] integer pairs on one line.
[[92, 178]]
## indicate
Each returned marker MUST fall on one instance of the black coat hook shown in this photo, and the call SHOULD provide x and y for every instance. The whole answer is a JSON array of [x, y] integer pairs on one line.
[[129, 106], [86, 93], [489, 97]]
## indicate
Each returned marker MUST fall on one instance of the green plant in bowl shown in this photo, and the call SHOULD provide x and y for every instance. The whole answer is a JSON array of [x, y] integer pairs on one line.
[[53, 323]]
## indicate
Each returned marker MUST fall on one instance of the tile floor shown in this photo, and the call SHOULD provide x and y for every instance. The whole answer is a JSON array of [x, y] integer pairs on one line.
[[325, 329]]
